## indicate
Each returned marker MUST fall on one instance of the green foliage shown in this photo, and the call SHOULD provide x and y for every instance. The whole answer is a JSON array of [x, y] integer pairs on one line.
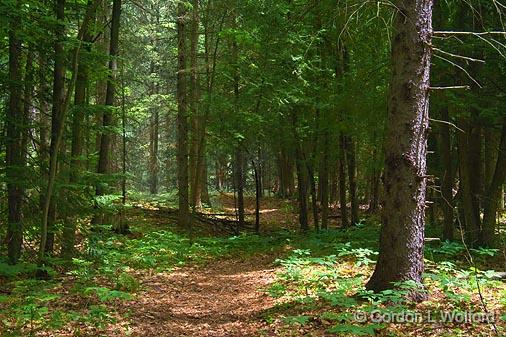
[[127, 282]]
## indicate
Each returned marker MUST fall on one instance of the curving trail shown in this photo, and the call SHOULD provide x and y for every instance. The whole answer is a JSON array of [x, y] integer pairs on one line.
[[223, 298]]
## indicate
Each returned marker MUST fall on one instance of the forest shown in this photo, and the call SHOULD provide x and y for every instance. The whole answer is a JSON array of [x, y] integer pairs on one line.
[[252, 168]]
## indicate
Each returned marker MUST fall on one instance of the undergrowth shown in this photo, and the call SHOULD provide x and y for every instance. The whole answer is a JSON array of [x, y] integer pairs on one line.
[[320, 286]]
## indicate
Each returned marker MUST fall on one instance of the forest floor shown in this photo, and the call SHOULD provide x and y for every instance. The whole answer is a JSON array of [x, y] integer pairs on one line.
[[224, 298], [157, 281]]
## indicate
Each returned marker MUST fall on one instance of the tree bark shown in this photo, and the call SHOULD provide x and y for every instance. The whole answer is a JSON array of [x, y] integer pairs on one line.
[[301, 188], [324, 181], [239, 183], [195, 173], [153, 145], [258, 194], [402, 233], [446, 176], [182, 122], [14, 158], [342, 183], [76, 152], [493, 193], [352, 177], [104, 160], [469, 208], [56, 113]]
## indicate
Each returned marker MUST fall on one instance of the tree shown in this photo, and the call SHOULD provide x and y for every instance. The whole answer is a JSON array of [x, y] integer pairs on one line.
[[57, 112], [107, 118], [402, 232], [182, 120], [14, 152], [77, 143]]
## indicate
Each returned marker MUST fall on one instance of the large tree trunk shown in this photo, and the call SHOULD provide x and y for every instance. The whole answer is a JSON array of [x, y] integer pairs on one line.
[[182, 122], [14, 158], [402, 233]]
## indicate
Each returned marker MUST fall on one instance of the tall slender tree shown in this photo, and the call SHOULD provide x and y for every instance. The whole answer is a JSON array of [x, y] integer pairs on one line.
[[14, 152], [182, 120]]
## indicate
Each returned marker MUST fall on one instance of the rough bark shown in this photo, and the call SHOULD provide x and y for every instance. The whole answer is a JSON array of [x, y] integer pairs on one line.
[[402, 233]]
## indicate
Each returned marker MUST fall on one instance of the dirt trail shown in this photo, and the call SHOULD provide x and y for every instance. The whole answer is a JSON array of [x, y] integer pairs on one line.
[[223, 298]]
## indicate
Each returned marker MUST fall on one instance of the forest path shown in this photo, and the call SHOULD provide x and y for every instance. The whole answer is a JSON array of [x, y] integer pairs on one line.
[[222, 298]]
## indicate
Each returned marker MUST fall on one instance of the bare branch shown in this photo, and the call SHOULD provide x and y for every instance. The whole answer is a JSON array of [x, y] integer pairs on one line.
[[450, 32], [465, 87], [458, 56]]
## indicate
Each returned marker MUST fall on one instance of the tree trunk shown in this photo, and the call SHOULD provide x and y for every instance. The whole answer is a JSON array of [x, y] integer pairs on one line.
[[76, 152], [352, 177], [258, 194], [182, 122], [402, 233], [204, 182], [301, 188], [153, 152], [492, 140], [342, 183], [493, 193], [324, 181], [314, 203], [56, 141], [470, 210], [43, 132], [14, 158], [196, 122], [375, 188], [56, 114], [239, 183], [446, 176], [104, 160]]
